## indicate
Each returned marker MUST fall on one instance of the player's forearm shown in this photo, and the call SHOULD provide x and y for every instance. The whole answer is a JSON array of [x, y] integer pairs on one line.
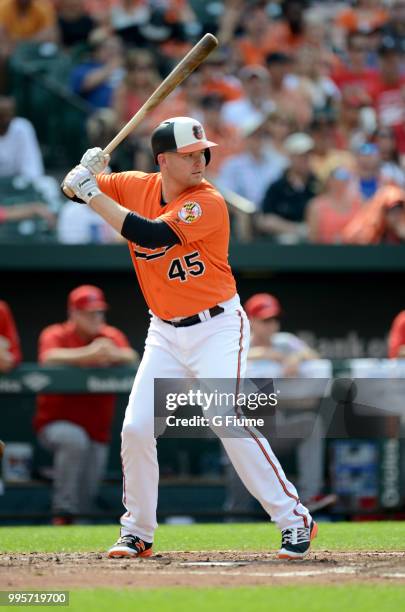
[[125, 355], [21, 211], [257, 353], [109, 210], [66, 356], [95, 78], [306, 354], [273, 224], [401, 352], [147, 233]]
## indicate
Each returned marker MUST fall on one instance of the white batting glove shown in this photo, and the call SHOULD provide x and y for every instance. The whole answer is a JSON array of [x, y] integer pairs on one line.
[[95, 160], [83, 183]]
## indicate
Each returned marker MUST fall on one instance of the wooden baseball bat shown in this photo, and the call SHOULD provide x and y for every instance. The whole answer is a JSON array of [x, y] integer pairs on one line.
[[190, 62]]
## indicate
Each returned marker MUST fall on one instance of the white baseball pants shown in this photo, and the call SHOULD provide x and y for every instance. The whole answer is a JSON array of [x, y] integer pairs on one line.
[[216, 348]]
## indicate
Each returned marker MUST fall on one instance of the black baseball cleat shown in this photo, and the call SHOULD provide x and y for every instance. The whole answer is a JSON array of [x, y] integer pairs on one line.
[[130, 546], [296, 541]]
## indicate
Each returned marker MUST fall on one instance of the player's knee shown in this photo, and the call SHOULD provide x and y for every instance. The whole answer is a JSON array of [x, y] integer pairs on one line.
[[133, 433], [78, 440]]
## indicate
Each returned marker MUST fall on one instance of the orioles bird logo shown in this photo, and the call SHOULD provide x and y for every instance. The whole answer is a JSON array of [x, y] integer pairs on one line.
[[197, 131]]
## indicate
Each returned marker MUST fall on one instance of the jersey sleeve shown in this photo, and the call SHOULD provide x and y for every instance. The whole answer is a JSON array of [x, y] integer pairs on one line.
[[396, 337], [123, 187], [118, 337], [195, 218], [50, 338]]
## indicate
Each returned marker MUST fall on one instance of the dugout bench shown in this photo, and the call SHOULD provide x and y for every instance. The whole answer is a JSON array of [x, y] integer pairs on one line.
[[365, 451]]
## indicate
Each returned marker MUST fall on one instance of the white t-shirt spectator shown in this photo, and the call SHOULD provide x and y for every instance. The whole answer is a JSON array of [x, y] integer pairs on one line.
[[19, 151], [242, 112], [250, 177], [79, 224]]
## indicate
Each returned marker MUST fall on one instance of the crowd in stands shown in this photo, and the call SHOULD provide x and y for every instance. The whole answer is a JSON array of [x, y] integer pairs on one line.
[[306, 100]]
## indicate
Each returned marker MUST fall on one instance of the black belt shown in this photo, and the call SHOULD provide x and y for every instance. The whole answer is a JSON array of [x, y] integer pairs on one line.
[[194, 319]]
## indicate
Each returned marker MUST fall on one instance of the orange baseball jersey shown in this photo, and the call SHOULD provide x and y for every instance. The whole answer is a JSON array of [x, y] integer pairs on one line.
[[189, 277]]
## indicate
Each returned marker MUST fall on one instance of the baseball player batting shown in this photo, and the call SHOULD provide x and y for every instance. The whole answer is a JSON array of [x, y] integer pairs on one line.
[[177, 228]]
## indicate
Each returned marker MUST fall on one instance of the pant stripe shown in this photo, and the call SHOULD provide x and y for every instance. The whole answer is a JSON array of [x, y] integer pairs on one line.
[[124, 492], [253, 435]]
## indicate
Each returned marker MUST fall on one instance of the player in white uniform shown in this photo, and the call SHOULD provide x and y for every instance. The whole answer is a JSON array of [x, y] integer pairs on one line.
[[177, 227]]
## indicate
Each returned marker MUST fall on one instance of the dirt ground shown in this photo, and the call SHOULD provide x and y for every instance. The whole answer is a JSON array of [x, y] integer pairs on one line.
[[196, 569]]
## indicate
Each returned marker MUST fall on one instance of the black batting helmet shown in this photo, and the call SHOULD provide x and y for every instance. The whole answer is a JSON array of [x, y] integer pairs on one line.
[[181, 134]]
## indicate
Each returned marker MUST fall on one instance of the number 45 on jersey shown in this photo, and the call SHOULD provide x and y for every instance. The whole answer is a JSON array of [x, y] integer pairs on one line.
[[181, 267]]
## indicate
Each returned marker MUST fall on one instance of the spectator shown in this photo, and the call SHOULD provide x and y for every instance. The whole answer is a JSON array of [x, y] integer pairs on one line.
[[285, 201], [333, 209], [267, 342], [279, 125], [29, 210], [389, 93], [288, 34], [76, 428], [141, 79], [354, 72], [226, 136], [302, 430], [256, 42], [129, 14], [185, 101], [10, 351], [74, 23], [384, 138], [313, 81], [328, 153], [396, 338], [382, 220], [250, 172], [96, 80], [100, 10], [217, 79], [366, 15], [368, 170], [19, 149], [255, 104], [285, 94], [22, 20], [81, 225], [353, 118], [394, 27]]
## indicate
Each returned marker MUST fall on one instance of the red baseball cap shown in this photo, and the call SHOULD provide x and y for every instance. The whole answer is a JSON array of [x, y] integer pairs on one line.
[[262, 306], [87, 297]]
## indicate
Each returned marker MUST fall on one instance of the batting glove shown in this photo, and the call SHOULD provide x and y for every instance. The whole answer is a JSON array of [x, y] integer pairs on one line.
[[83, 183], [95, 160]]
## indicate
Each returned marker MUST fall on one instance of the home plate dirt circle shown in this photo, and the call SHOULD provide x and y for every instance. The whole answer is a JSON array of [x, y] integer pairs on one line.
[[196, 569]]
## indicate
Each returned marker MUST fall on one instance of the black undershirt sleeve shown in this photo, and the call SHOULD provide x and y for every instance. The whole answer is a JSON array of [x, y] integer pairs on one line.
[[148, 233]]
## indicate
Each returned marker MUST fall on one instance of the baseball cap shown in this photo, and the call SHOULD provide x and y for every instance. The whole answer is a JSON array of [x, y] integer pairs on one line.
[[262, 306], [181, 134], [87, 297], [298, 144]]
